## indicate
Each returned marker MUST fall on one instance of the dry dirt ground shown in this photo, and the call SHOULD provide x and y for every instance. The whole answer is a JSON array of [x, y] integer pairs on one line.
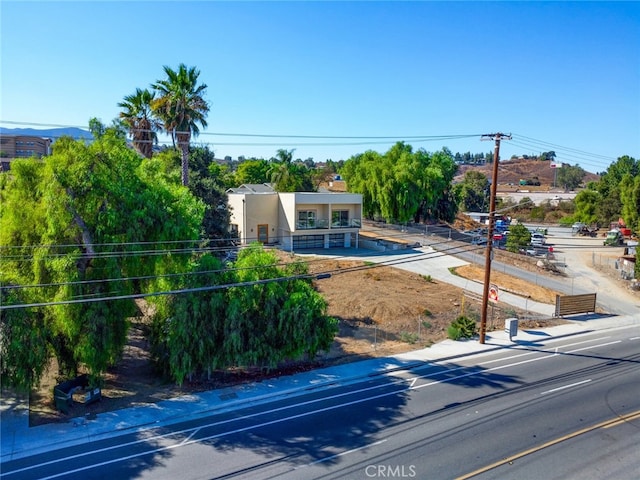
[[381, 311]]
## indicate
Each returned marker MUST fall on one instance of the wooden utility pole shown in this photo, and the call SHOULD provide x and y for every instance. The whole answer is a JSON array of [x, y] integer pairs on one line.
[[492, 221]]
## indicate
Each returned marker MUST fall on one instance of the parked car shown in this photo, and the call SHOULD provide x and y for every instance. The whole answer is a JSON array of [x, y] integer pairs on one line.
[[479, 240], [537, 239]]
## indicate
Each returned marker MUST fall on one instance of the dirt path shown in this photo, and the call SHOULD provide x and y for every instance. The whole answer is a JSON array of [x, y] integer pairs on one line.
[[589, 267]]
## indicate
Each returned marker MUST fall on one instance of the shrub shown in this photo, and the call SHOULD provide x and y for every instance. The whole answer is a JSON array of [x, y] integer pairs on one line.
[[408, 337], [454, 332], [461, 327]]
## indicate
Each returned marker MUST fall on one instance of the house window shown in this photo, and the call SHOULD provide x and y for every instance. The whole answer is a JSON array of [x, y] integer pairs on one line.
[[306, 219], [340, 218]]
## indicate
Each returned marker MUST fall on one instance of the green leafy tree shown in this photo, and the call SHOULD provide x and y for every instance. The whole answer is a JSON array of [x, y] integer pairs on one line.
[[586, 202], [96, 127], [205, 185], [254, 171], [261, 314], [519, 237], [630, 196], [86, 211], [24, 342], [616, 171], [187, 329], [473, 191], [570, 177], [613, 194], [289, 176], [400, 185], [181, 106], [277, 320], [137, 116]]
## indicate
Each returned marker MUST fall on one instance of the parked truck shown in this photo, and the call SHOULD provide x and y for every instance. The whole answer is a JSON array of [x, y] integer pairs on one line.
[[621, 226], [614, 238], [529, 181]]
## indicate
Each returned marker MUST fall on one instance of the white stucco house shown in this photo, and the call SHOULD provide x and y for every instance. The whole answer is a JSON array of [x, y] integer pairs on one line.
[[296, 220]]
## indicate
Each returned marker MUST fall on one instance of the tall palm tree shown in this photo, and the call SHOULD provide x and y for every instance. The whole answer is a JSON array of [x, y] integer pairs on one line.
[[280, 170], [140, 121], [181, 107]]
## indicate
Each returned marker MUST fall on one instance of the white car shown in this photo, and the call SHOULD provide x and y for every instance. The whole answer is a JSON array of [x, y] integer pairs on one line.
[[537, 239]]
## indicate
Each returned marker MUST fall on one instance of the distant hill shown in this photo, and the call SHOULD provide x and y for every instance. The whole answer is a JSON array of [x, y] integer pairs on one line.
[[511, 171], [52, 133]]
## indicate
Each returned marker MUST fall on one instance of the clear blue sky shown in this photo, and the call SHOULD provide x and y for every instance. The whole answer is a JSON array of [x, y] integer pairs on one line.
[[562, 76]]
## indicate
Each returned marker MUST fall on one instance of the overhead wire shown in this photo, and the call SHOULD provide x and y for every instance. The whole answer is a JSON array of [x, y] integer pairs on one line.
[[338, 271]]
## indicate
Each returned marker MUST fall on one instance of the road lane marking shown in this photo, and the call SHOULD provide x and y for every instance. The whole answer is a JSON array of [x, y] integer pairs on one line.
[[509, 358], [301, 404], [565, 386], [606, 424], [555, 350], [196, 430], [341, 454], [623, 420], [593, 346]]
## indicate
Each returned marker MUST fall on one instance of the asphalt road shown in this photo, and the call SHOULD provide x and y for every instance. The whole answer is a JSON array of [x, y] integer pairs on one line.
[[573, 255], [556, 408]]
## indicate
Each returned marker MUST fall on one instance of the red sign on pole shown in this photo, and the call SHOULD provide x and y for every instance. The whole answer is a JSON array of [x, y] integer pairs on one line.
[[493, 293]]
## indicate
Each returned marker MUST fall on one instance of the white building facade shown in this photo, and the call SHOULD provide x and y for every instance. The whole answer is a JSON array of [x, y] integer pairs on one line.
[[297, 220]]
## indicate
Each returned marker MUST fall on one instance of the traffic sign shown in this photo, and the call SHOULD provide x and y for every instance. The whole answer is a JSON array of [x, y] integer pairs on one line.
[[493, 292]]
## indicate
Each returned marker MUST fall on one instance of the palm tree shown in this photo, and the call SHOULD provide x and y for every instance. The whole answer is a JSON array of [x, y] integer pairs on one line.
[[280, 170], [139, 120], [181, 107]]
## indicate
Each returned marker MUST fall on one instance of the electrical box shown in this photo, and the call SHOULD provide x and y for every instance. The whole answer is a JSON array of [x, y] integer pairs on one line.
[[511, 327]]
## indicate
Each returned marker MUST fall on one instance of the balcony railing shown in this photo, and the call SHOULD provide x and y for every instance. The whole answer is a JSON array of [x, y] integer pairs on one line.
[[324, 223]]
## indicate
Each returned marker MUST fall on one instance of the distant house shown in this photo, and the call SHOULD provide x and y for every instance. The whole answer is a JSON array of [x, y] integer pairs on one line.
[[295, 221], [480, 217], [22, 146]]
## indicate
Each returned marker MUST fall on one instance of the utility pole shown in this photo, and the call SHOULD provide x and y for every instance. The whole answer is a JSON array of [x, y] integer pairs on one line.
[[492, 221]]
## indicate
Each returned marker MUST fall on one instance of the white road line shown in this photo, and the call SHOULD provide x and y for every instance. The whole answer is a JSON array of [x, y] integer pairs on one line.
[[510, 358], [565, 386], [190, 436], [634, 338], [346, 452], [593, 346], [539, 351], [585, 341], [244, 417]]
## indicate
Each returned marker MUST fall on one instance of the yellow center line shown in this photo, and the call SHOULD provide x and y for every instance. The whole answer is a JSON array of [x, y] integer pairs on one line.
[[606, 424]]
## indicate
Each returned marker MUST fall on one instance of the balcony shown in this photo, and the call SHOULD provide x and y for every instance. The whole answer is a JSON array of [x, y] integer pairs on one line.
[[350, 223], [324, 224]]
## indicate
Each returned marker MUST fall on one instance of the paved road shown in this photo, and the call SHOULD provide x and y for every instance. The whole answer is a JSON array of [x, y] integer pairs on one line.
[[436, 420], [573, 254]]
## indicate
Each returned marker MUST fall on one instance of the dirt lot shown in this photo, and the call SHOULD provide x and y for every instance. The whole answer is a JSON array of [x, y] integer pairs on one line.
[[381, 310]]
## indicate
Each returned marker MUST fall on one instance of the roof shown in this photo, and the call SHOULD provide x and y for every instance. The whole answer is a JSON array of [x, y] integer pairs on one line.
[[252, 188]]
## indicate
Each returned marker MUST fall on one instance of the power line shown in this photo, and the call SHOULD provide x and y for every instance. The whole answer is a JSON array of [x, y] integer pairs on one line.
[[319, 275], [522, 141]]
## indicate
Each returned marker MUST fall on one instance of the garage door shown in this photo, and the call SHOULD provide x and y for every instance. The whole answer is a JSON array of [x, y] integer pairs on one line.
[[308, 241], [336, 240]]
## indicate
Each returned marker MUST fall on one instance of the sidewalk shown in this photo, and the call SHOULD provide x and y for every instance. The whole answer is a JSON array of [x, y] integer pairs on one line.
[[18, 440]]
